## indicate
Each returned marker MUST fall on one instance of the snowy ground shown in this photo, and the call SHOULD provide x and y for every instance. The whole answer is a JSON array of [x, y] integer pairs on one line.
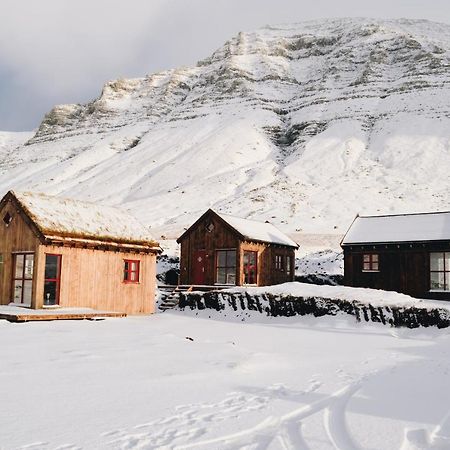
[[138, 383]]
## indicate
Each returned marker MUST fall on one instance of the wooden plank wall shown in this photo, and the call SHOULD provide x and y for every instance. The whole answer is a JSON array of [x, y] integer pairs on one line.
[[223, 238], [94, 279], [16, 237], [201, 239], [404, 269]]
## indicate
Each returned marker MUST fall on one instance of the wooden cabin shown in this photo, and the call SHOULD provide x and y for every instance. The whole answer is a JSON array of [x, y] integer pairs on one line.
[[407, 253], [229, 251], [60, 252]]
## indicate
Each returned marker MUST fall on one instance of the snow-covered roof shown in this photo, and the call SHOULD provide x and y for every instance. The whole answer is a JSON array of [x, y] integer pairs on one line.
[[258, 231], [56, 216], [399, 228]]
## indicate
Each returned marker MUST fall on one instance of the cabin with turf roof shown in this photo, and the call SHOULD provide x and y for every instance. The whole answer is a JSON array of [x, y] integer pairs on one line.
[[407, 253], [222, 250], [68, 253]]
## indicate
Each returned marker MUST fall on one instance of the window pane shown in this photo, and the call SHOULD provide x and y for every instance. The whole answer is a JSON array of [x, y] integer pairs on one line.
[[231, 258], [51, 267], [19, 266], [375, 266], [133, 276], [366, 266], [127, 265], [246, 257], [134, 265], [447, 261], [375, 257], [230, 278], [221, 276], [17, 292], [50, 293], [437, 281], [29, 265], [436, 261], [447, 281], [27, 287], [221, 258], [366, 258]]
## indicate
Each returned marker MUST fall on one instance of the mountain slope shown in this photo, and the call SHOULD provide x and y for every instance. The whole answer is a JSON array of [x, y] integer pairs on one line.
[[303, 124]]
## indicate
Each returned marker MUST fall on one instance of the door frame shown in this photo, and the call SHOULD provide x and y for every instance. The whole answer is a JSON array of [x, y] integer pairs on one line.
[[57, 280], [195, 266], [23, 279]]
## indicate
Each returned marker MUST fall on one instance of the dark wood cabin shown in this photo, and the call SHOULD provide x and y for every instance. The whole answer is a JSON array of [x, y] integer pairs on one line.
[[223, 250], [61, 252], [407, 253]]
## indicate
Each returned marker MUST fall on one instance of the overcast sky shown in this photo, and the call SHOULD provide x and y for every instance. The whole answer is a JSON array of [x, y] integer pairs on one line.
[[61, 51]]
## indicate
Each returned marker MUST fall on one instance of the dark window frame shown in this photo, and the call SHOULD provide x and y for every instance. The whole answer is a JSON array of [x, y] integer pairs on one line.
[[371, 262], [229, 270], [279, 263], [128, 273]]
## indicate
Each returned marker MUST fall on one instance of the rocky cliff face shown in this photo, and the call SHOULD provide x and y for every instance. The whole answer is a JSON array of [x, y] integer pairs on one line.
[[304, 125]]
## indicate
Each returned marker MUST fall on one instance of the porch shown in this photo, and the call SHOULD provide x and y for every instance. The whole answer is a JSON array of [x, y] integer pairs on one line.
[[13, 313]]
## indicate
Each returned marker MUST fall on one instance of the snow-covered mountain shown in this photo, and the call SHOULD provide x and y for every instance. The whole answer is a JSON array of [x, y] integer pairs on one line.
[[304, 125]]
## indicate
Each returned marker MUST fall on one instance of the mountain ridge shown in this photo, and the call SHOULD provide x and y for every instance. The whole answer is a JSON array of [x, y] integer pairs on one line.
[[304, 125]]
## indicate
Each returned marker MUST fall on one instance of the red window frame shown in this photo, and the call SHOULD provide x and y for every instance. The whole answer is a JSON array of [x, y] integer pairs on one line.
[[370, 262], [128, 272], [56, 280], [248, 267]]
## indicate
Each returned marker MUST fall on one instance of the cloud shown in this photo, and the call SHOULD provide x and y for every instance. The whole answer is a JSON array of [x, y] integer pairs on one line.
[[54, 51]]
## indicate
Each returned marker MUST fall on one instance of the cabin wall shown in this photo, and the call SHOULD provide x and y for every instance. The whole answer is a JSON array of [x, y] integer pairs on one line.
[[277, 276], [199, 238], [16, 237], [94, 279], [219, 236], [404, 268]]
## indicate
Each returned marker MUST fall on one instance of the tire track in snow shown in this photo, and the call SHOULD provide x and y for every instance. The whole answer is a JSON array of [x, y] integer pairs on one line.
[[287, 428]]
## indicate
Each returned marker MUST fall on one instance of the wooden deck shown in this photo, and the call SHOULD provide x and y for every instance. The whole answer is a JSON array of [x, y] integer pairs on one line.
[[14, 313]]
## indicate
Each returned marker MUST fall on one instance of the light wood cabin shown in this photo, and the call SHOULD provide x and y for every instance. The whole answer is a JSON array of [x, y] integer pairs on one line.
[[223, 250], [59, 252]]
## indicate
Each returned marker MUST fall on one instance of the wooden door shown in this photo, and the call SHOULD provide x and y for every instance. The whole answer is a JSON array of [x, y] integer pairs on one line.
[[199, 265]]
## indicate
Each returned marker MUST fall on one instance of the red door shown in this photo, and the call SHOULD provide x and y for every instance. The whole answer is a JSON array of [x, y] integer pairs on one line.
[[199, 267]]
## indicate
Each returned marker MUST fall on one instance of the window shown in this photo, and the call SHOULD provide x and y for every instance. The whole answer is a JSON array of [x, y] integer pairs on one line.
[[250, 267], [23, 278], [279, 262], [226, 266], [52, 279], [7, 218], [440, 271], [131, 271], [370, 262], [288, 265]]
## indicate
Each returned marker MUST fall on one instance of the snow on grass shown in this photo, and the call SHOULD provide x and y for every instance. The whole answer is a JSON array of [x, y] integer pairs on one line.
[[374, 297], [140, 383]]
